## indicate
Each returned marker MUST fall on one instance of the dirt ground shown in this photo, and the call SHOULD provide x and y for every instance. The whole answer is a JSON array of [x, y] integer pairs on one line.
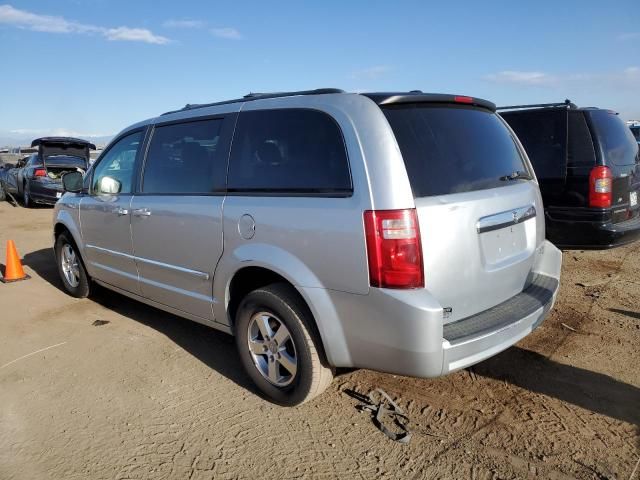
[[144, 394]]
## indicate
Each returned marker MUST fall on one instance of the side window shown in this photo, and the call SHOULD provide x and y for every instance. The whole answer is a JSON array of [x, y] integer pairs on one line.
[[580, 151], [33, 160], [543, 134], [288, 151], [114, 173], [182, 158]]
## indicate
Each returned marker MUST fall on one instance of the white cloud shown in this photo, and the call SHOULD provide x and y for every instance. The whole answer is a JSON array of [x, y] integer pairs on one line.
[[629, 36], [56, 132], [371, 73], [629, 78], [134, 35], [521, 78], [226, 32], [40, 23], [54, 24], [183, 23]]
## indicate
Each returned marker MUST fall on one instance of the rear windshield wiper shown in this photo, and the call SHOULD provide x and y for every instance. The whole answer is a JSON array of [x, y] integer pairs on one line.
[[518, 175]]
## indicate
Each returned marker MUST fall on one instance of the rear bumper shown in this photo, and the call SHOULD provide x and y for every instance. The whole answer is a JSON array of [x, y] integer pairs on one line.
[[589, 234], [45, 192], [473, 339], [402, 331]]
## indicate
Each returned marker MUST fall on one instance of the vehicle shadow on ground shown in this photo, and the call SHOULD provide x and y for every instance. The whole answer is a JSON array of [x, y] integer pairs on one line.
[[43, 264], [628, 313], [214, 348], [592, 391], [532, 371]]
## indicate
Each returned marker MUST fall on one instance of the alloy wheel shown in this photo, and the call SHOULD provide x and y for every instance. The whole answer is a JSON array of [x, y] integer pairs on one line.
[[272, 349]]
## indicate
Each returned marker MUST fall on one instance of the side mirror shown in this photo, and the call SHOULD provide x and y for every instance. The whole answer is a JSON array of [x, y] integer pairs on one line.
[[72, 182], [109, 185]]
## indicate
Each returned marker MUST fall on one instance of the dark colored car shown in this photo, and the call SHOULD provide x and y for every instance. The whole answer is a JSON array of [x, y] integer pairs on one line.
[[635, 130], [586, 161], [38, 178]]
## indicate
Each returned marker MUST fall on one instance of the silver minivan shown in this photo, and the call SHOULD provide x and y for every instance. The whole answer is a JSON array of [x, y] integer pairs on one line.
[[399, 232]]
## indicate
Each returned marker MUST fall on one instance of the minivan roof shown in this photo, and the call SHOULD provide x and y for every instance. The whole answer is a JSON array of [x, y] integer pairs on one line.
[[381, 98]]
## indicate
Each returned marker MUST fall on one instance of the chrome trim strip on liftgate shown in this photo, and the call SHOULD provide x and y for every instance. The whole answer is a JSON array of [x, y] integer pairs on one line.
[[505, 219], [196, 273]]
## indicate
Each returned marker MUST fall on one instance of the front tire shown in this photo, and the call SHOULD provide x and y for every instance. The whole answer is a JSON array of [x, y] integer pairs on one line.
[[70, 267], [278, 346], [3, 196]]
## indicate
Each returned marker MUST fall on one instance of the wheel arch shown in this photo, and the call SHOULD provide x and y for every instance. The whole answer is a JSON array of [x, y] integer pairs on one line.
[[252, 275]]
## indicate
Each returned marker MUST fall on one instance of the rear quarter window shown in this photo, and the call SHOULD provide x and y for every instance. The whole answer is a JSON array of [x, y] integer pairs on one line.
[[580, 151], [288, 151], [453, 149], [543, 134]]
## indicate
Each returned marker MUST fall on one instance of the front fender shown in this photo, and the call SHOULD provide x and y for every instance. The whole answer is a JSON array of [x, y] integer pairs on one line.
[[296, 272]]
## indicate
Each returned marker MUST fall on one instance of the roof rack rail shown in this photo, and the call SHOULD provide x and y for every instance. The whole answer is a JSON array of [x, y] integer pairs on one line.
[[567, 104], [257, 96]]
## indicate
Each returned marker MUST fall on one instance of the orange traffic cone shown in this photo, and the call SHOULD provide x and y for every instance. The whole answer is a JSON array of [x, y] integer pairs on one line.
[[13, 271]]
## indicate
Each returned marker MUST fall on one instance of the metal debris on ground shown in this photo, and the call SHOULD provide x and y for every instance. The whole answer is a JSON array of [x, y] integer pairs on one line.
[[99, 323], [568, 327], [384, 410]]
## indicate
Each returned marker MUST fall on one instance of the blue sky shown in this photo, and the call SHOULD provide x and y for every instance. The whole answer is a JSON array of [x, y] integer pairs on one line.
[[91, 67]]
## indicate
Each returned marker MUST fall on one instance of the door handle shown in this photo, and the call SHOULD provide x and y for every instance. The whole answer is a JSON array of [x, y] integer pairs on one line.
[[122, 211], [142, 212]]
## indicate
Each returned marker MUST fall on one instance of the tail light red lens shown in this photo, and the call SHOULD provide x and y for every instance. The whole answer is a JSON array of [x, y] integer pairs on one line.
[[40, 172], [393, 248], [600, 186]]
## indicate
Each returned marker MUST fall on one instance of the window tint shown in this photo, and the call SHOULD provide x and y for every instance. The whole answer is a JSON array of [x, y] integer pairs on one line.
[[114, 173], [449, 149], [33, 160], [543, 134], [290, 151], [615, 138], [580, 151], [636, 132], [182, 158]]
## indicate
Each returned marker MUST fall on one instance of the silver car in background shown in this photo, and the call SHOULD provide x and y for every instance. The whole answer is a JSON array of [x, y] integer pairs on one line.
[[400, 232]]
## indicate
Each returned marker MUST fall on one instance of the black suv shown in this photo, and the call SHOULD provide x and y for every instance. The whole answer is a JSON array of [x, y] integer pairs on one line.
[[586, 160]]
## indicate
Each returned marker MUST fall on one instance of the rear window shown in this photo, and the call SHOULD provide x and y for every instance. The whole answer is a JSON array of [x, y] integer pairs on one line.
[[50, 149], [453, 149], [288, 151], [616, 141], [66, 160], [636, 133]]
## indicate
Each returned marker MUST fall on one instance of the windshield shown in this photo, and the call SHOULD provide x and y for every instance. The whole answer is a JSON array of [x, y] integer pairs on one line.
[[616, 140], [452, 149]]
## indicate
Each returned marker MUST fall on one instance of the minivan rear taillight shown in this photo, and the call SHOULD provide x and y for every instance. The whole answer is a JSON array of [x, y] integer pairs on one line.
[[39, 172], [600, 184], [393, 248]]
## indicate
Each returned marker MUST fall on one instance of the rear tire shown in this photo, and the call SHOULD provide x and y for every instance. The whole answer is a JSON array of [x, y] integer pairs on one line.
[[26, 198], [70, 267], [3, 196], [270, 358]]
